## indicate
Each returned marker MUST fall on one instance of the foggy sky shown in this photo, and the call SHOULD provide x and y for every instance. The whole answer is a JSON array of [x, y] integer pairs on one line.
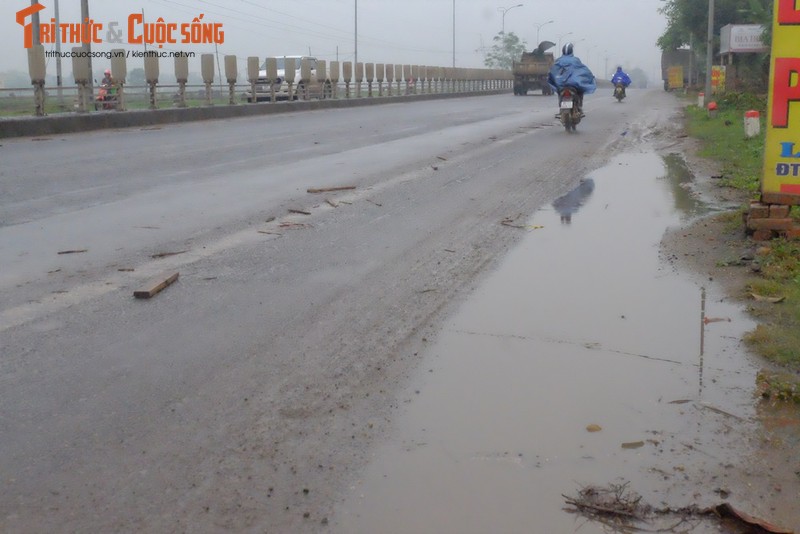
[[605, 32]]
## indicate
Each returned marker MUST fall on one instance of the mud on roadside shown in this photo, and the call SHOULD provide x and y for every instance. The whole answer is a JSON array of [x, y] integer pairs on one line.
[[716, 248]]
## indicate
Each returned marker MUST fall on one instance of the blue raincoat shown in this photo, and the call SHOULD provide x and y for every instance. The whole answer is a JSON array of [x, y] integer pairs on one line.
[[568, 70], [621, 77]]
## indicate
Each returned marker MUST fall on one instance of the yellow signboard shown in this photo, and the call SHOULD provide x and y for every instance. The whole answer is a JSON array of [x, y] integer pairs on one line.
[[780, 183], [718, 79], [675, 77]]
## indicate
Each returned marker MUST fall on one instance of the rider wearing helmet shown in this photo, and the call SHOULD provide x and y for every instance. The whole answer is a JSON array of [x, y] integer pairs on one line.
[[108, 81], [621, 78], [568, 70]]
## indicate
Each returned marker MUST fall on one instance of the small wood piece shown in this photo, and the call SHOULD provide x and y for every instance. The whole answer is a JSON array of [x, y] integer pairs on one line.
[[332, 202], [301, 212], [156, 286], [74, 251], [329, 189]]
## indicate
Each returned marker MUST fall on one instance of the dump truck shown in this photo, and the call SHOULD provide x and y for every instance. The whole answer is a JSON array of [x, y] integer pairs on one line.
[[530, 72], [678, 70]]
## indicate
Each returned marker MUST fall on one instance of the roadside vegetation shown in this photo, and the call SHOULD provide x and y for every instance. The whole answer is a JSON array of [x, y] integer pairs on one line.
[[773, 289]]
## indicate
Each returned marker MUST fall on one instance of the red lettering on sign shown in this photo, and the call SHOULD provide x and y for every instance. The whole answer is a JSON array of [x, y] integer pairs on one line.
[[788, 12], [783, 92]]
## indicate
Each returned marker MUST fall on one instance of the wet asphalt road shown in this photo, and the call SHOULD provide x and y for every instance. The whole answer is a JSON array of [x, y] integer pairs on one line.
[[247, 396]]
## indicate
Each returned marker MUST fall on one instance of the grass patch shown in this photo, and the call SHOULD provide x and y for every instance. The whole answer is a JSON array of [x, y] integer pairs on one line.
[[724, 141], [775, 289]]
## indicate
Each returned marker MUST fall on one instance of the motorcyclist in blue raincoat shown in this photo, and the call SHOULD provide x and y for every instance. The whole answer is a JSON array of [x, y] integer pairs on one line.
[[621, 78], [568, 70]]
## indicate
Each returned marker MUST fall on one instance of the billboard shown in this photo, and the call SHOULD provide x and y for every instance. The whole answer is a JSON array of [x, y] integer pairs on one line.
[[780, 181], [741, 38]]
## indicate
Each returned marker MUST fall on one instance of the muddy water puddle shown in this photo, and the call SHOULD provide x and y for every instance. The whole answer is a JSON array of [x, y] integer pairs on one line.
[[577, 363]]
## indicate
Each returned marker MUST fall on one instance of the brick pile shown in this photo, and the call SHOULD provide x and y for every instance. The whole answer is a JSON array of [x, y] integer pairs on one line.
[[766, 221]]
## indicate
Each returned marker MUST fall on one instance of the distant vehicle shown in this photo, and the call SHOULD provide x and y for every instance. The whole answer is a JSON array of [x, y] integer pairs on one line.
[[530, 72], [678, 68], [301, 88]]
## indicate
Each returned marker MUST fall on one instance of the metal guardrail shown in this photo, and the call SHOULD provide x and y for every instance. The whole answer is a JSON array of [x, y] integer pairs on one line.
[[21, 101]]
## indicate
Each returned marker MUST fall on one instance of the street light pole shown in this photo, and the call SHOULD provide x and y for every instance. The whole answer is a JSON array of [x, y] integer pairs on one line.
[[505, 10], [355, 61], [539, 27], [454, 33]]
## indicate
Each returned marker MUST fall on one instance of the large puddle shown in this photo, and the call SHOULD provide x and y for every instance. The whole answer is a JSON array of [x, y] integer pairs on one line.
[[583, 324]]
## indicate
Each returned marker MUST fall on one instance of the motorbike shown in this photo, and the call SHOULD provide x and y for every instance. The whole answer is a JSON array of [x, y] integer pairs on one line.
[[569, 104], [619, 91], [106, 97]]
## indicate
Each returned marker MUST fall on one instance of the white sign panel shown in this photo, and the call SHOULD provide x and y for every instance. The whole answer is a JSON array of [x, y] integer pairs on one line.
[[741, 38]]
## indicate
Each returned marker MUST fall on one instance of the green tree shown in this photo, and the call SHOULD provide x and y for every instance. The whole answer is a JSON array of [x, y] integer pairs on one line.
[[506, 49], [687, 20]]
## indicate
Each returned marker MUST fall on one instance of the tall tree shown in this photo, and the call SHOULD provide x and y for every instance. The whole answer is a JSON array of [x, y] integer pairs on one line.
[[687, 20], [506, 49]]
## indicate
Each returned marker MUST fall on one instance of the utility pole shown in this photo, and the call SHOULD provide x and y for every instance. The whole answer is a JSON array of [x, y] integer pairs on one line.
[[454, 33], [709, 49], [35, 24], [59, 82], [87, 45]]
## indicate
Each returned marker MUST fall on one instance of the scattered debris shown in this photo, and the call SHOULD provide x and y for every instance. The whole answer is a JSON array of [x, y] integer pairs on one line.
[[167, 254], [268, 232], [426, 291], [150, 129], [287, 224], [434, 167], [148, 227], [125, 270], [270, 219], [773, 300], [373, 202], [721, 412], [79, 251], [332, 203], [508, 221], [593, 428], [617, 503], [42, 139], [449, 250], [681, 401], [329, 189], [707, 320], [633, 445], [156, 286], [53, 272], [301, 212]]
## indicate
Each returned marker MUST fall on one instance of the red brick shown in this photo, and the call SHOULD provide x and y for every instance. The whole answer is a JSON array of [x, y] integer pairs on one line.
[[759, 210], [792, 233], [762, 235], [770, 224], [778, 211]]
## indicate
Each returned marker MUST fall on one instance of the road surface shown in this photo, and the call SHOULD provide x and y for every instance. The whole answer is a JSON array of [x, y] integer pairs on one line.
[[247, 396]]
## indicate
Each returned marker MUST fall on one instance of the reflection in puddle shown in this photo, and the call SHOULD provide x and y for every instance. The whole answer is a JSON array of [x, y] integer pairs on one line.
[[581, 327], [680, 178], [570, 203]]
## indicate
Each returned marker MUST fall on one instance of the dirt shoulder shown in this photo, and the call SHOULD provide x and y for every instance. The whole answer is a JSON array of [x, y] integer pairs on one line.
[[716, 246]]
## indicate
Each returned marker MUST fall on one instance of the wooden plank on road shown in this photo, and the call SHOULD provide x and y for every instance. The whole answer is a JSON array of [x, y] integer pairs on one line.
[[155, 286]]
